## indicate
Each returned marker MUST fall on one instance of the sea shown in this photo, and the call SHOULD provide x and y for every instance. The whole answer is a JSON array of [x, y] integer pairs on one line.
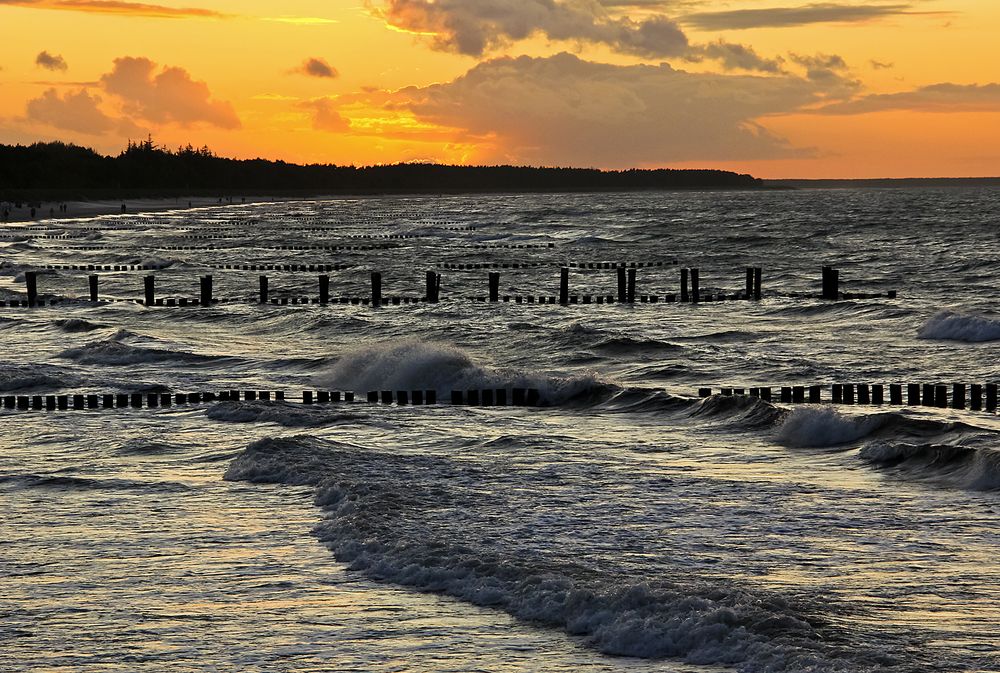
[[624, 524]]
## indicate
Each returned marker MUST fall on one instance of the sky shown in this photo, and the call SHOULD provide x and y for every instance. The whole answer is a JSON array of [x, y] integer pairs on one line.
[[776, 88]]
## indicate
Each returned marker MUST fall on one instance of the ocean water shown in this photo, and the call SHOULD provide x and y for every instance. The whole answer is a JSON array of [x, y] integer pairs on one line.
[[625, 525]]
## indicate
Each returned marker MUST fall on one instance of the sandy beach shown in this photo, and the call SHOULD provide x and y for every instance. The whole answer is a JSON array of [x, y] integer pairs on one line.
[[67, 210]]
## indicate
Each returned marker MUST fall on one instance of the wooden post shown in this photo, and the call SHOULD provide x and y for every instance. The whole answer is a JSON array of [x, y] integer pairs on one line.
[[838, 393], [895, 394], [149, 285], [976, 397], [815, 394], [878, 394], [991, 397], [494, 286], [631, 286], [825, 292], [786, 394], [864, 394], [433, 287], [206, 291], [684, 286], [913, 394], [263, 289], [928, 395], [93, 287], [324, 289], [695, 287], [621, 285], [758, 273], [941, 396], [798, 394], [31, 281], [749, 290], [958, 396], [376, 289], [848, 393], [564, 286]]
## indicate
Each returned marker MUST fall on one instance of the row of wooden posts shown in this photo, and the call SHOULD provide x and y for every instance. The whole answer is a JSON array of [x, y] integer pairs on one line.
[[489, 397], [690, 290], [976, 396]]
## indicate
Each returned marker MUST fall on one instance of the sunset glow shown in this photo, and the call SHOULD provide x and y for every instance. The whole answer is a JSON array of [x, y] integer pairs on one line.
[[777, 88]]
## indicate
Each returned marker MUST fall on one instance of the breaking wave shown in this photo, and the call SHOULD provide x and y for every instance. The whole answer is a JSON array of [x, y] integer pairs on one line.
[[967, 467], [421, 365], [818, 427], [952, 326], [405, 519]]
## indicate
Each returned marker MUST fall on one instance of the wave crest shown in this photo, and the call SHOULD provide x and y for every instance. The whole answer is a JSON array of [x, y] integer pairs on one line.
[[952, 326]]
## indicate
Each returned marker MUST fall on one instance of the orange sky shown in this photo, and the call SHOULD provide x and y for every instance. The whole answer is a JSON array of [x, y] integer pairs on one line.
[[777, 88]]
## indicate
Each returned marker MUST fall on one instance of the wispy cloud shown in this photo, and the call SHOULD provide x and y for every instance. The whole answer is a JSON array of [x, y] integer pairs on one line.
[[119, 7], [784, 17], [943, 97], [300, 20]]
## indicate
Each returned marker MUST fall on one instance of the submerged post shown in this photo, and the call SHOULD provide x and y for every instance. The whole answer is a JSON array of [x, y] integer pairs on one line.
[[621, 285], [631, 286], [684, 285], [324, 289], [376, 289], [757, 275], [750, 286], [263, 289], [695, 288], [149, 285], [564, 286], [93, 287], [31, 281], [494, 286], [206, 291]]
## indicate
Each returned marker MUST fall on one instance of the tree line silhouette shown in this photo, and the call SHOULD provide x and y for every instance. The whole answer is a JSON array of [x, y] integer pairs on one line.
[[147, 169]]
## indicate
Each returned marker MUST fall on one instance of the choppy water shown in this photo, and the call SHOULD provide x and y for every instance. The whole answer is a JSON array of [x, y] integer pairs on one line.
[[626, 526]]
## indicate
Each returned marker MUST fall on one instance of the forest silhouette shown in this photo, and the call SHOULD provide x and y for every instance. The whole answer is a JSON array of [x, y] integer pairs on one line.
[[66, 171]]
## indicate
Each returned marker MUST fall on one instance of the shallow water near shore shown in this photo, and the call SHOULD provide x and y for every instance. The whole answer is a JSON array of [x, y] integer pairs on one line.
[[624, 525]]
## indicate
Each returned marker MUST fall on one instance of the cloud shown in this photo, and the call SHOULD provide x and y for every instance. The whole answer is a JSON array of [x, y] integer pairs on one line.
[[879, 65], [300, 20], [943, 97], [474, 27], [822, 67], [565, 110], [72, 112], [50, 62], [119, 7], [317, 67], [325, 115], [735, 56], [167, 95], [782, 17]]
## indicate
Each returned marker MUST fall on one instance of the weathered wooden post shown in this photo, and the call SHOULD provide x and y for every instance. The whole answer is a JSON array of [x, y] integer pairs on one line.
[[564, 286], [958, 395], [433, 287], [695, 287], [31, 281], [376, 289], [206, 291], [913, 394], [878, 394], [749, 291], [324, 289], [149, 285], [758, 273], [494, 286], [991, 397], [263, 290], [895, 394], [622, 292], [684, 286], [93, 287], [631, 286], [976, 397]]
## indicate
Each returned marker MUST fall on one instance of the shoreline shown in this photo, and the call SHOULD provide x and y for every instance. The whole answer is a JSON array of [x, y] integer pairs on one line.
[[51, 211]]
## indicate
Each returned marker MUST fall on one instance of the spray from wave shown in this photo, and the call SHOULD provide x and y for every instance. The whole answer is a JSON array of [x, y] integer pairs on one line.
[[952, 326], [421, 365]]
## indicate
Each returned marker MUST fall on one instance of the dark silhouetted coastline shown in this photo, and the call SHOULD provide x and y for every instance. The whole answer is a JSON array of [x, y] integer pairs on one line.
[[53, 171]]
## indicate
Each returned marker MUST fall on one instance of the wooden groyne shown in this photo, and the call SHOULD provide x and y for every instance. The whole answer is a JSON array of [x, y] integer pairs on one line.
[[974, 396], [485, 397], [627, 279]]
